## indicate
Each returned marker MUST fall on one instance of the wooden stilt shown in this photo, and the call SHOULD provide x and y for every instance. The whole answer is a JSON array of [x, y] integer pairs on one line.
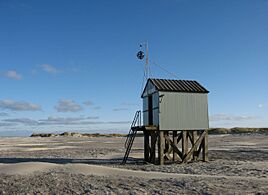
[[205, 146], [153, 144], [161, 143], [194, 138], [197, 143], [146, 146], [175, 155], [175, 148], [184, 143]]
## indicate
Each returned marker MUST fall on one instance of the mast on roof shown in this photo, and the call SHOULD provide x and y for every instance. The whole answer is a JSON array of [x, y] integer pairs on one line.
[[141, 55]]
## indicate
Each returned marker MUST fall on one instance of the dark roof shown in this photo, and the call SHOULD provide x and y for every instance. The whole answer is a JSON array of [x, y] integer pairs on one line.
[[178, 85]]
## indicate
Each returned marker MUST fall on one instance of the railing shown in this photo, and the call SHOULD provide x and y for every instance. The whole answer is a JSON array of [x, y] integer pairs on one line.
[[135, 123]]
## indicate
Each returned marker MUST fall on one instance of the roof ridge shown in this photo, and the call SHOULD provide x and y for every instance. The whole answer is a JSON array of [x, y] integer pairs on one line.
[[177, 85]]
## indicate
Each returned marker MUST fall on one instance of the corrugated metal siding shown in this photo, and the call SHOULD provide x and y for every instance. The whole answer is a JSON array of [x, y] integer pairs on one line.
[[156, 109], [183, 111], [145, 118], [145, 104]]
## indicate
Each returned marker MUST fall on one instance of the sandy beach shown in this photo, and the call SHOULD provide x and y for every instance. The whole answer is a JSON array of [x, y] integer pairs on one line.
[[238, 164]]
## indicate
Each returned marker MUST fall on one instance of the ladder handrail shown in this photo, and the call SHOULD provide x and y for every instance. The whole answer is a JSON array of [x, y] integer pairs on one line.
[[137, 118], [132, 134]]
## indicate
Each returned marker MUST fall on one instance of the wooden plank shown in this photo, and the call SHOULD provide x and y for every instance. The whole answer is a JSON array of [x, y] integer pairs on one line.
[[168, 147], [189, 135], [161, 143], [151, 128], [205, 146], [174, 147], [196, 144], [184, 143], [175, 155], [146, 146], [194, 138], [153, 143], [179, 137]]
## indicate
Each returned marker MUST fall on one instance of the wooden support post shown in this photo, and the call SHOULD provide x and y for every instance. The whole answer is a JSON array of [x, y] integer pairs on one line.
[[205, 146], [153, 144], [184, 143], [175, 157], [194, 138], [197, 143], [161, 144], [146, 146]]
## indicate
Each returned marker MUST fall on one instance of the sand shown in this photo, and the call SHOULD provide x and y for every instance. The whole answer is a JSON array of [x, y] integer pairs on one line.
[[238, 165]]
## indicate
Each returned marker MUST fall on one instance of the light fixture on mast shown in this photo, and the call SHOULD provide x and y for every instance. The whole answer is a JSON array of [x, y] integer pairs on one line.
[[140, 55]]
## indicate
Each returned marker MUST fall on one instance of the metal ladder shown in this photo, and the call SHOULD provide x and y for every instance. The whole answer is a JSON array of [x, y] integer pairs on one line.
[[136, 124]]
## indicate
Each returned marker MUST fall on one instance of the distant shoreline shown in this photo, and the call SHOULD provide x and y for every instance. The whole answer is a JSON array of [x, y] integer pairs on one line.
[[212, 131]]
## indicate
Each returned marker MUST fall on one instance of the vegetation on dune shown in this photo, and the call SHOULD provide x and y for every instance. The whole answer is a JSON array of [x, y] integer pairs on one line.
[[75, 134], [237, 130]]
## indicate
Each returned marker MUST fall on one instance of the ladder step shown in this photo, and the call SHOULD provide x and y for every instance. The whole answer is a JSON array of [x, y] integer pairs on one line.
[[131, 135]]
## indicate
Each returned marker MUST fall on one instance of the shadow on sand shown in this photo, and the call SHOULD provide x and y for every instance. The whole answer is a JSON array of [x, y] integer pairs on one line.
[[112, 161]]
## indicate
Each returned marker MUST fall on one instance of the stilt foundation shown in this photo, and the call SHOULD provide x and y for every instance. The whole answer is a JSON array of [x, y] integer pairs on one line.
[[163, 147]]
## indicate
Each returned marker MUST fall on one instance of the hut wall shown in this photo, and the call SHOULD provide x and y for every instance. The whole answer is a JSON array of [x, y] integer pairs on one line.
[[183, 111]]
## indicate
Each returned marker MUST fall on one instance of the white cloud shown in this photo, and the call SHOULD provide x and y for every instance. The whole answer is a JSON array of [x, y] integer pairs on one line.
[[68, 106], [25, 121], [260, 105], [49, 68], [7, 124], [3, 114], [120, 109], [18, 105], [59, 121], [226, 117], [88, 103], [12, 74]]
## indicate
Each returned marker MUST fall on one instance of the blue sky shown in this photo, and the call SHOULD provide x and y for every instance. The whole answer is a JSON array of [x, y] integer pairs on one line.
[[71, 65]]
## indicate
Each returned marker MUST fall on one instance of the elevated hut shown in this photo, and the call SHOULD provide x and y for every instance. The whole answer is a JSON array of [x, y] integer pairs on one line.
[[175, 119]]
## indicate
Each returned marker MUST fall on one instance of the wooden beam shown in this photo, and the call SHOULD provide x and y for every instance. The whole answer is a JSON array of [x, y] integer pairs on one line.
[[184, 143], [168, 148], [153, 143], [205, 146], [151, 128], [196, 144], [194, 138], [161, 144], [175, 155], [146, 146], [174, 147], [179, 137], [189, 135]]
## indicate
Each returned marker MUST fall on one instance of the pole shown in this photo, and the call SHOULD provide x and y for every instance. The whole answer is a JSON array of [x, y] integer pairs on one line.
[[147, 73]]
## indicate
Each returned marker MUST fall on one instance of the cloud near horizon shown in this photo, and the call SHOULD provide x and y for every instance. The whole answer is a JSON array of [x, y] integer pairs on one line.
[[12, 74], [120, 109], [226, 117], [12, 105], [67, 105], [4, 114], [58, 121]]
